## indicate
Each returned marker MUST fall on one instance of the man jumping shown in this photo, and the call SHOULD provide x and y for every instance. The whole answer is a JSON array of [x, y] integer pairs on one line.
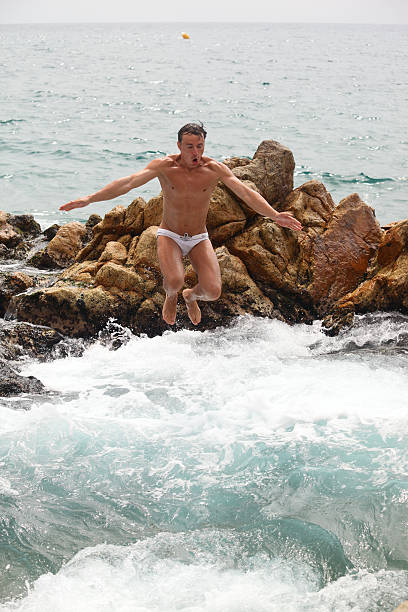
[[187, 180]]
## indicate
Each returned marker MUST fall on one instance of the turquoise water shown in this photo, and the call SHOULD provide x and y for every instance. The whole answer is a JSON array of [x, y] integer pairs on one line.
[[84, 104], [251, 469]]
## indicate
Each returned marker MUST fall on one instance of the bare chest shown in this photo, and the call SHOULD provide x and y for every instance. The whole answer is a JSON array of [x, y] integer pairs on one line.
[[177, 183]]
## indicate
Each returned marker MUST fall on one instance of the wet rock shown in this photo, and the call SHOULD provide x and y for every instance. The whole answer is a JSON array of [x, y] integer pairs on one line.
[[62, 249], [93, 220], [18, 339], [51, 231], [5, 253], [12, 383], [12, 284], [26, 224], [342, 253], [8, 234]]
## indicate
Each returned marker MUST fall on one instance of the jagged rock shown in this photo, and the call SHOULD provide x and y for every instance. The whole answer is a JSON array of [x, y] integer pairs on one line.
[[93, 220], [26, 224], [5, 253], [51, 231], [65, 245], [266, 270], [20, 339], [12, 383], [8, 235], [271, 170], [12, 284], [114, 251], [342, 253], [62, 249], [386, 284], [321, 263]]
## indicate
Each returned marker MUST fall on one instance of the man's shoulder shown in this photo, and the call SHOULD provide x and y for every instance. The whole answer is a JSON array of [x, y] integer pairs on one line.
[[216, 166], [162, 162]]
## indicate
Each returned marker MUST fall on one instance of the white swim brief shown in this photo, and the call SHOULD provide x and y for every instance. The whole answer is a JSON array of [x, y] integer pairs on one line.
[[186, 242]]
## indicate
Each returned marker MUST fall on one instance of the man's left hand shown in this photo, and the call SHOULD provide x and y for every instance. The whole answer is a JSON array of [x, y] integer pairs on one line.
[[286, 219]]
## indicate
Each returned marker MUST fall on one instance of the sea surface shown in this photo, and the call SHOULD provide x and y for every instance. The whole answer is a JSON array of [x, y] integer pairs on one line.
[[256, 468]]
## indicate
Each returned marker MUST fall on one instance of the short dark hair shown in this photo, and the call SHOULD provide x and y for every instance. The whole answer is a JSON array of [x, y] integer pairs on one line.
[[192, 128]]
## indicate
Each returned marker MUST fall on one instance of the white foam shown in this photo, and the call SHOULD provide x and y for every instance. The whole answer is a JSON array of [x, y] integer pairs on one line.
[[261, 376], [204, 573]]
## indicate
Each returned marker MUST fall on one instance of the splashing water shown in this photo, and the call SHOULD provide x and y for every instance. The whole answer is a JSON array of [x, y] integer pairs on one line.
[[251, 468]]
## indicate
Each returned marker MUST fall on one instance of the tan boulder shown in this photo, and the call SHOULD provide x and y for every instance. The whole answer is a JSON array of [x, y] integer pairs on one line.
[[402, 607], [225, 216], [8, 235], [94, 249], [134, 216], [240, 294], [144, 253], [114, 251], [153, 211], [113, 222], [115, 275], [271, 170], [67, 243], [311, 204]]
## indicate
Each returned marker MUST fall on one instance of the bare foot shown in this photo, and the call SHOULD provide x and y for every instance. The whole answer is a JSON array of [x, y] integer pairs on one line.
[[193, 310], [169, 309]]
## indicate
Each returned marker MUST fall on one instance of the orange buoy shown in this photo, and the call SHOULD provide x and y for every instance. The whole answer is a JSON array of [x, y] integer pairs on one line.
[[185, 35]]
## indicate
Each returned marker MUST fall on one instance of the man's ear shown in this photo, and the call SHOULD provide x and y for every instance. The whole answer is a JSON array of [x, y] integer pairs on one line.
[[179, 146]]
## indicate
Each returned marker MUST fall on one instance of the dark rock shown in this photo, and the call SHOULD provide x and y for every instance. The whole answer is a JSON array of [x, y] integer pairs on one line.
[[51, 231], [12, 284], [26, 224], [19, 339], [12, 383], [93, 220], [43, 261]]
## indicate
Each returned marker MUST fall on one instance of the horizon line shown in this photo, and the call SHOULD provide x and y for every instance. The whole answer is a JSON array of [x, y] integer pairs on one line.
[[204, 22]]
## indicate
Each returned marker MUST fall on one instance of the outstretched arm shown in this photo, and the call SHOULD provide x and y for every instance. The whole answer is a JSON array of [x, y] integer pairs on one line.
[[118, 187], [255, 201]]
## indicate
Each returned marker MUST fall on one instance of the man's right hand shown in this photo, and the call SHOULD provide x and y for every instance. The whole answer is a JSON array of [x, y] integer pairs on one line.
[[75, 204]]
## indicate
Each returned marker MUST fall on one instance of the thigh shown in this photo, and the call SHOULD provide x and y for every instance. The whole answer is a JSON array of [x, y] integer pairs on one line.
[[170, 257], [205, 263]]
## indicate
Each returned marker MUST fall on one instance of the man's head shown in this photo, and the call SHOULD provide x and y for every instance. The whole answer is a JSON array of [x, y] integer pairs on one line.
[[191, 140], [192, 128]]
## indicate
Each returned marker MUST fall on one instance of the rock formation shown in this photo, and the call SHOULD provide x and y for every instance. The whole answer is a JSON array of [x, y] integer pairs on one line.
[[385, 286], [266, 270], [340, 264]]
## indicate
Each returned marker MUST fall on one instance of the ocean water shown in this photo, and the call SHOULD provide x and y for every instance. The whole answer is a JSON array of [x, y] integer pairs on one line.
[[83, 104], [253, 468]]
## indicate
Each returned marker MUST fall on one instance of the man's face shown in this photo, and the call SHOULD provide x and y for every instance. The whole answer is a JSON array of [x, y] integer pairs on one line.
[[191, 149]]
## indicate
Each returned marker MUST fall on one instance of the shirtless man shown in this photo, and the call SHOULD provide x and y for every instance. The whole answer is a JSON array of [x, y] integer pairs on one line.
[[187, 180]]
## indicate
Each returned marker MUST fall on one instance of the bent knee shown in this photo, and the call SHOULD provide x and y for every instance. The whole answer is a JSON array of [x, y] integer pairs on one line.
[[213, 291], [173, 283]]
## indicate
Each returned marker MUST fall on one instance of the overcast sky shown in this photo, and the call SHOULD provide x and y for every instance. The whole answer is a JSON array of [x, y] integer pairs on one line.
[[326, 11]]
